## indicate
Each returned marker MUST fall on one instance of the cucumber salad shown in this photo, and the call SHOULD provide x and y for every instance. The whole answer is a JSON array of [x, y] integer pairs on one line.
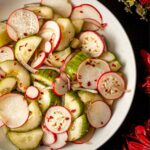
[[58, 77]]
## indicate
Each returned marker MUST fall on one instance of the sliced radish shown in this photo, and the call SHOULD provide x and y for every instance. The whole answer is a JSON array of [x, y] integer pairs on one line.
[[12, 33], [86, 11], [62, 7], [92, 21], [92, 43], [83, 89], [87, 137], [65, 77], [89, 71], [32, 92], [61, 141], [58, 119], [6, 53], [39, 61], [48, 137], [1, 123], [50, 67], [111, 85], [51, 32], [24, 22], [98, 114], [90, 27], [60, 87], [46, 46], [14, 110]]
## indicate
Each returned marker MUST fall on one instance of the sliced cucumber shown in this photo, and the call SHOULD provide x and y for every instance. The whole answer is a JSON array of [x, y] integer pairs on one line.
[[34, 120], [115, 65], [73, 103], [73, 64], [25, 48], [43, 12], [47, 97], [108, 56], [14, 69], [78, 25], [68, 32], [75, 43], [7, 85], [46, 76], [87, 97], [3, 35], [79, 128], [57, 58], [26, 140]]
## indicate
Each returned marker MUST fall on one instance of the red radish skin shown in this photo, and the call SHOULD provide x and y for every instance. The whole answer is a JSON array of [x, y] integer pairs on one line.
[[94, 111], [102, 91], [6, 53], [24, 33], [87, 137], [32, 93], [39, 61], [11, 33], [11, 118], [62, 139], [88, 15], [52, 116], [60, 87], [97, 37], [55, 28]]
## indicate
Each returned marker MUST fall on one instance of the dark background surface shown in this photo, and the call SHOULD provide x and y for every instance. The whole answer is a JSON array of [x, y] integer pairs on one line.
[[139, 33]]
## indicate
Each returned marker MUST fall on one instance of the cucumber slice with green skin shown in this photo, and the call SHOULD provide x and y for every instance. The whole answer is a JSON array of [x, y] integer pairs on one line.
[[34, 120], [78, 25], [26, 140], [3, 35], [68, 33], [79, 128], [73, 64], [46, 76], [14, 69], [75, 43], [26, 47], [57, 58], [73, 103], [87, 97], [115, 65], [7, 85], [43, 12], [108, 56], [47, 98]]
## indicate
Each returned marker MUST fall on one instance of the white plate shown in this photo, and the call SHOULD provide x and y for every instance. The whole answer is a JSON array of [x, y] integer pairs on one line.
[[118, 42]]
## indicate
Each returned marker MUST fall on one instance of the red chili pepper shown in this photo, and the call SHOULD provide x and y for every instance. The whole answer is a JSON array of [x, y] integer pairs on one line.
[[136, 146], [140, 130], [147, 127], [146, 85]]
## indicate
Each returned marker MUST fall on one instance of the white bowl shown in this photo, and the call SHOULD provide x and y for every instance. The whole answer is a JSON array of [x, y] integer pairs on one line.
[[117, 41]]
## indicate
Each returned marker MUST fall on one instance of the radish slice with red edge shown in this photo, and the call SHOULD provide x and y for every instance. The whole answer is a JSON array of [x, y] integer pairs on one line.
[[9, 103], [62, 7], [60, 87], [65, 77], [48, 137], [46, 46], [39, 61], [24, 22], [6, 53], [86, 11], [12, 33], [58, 119], [87, 137], [99, 114], [89, 71], [111, 85], [51, 32], [32, 92], [1, 123], [92, 43], [61, 141]]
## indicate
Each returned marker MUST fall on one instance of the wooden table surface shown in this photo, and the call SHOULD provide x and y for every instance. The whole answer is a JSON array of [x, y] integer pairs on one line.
[[139, 33]]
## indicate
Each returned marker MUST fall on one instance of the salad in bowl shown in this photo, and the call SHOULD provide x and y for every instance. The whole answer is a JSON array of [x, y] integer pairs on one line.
[[58, 77]]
